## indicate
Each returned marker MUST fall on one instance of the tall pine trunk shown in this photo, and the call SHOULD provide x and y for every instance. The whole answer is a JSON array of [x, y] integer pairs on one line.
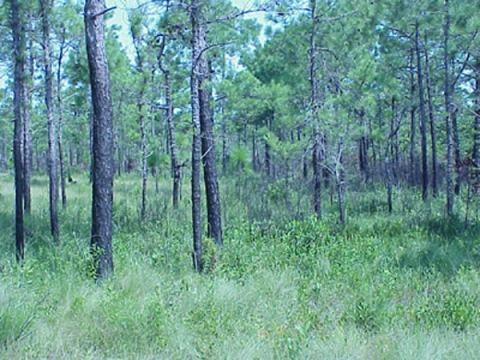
[[423, 116], [102, 140], [431, 116], [61, 161], [316, 156], [18, 104], [476, 125], [196, 142], [448, 106], [51, 128]]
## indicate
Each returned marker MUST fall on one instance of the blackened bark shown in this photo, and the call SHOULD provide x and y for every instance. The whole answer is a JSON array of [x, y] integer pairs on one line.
[[413, 167], [18, 104], [456, 145], [448, 106], [423, 116], [316, 155], [476, 125], [431, 116], [102, 146], [339, 179], [61, 161], [52, 136], [209, 167], [172, 140]]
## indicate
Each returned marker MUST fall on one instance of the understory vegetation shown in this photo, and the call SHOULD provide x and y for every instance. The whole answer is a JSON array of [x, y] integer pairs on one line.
[[284, 286]]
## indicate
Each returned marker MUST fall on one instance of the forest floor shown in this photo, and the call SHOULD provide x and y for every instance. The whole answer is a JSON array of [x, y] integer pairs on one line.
[[404, 285]]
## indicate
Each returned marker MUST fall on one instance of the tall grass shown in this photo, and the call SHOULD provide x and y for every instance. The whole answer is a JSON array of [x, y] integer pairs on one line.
[[399, 286]]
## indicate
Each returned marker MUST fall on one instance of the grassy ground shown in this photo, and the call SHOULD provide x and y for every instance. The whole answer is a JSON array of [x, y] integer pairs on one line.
[[399, 286]]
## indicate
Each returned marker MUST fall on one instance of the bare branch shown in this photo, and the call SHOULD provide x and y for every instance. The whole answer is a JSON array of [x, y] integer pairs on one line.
[[104, 12]]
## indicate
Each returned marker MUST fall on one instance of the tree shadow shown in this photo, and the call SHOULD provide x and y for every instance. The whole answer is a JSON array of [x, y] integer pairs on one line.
[[449, 246]]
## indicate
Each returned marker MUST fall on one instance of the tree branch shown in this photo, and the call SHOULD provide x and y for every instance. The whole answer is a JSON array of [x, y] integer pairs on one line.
[[104, 12]]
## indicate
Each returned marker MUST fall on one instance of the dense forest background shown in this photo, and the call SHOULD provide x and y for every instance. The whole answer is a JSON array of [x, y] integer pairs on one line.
[[317, 161]]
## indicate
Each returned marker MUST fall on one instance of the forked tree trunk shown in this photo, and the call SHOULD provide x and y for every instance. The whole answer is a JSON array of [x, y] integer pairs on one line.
[[51, 128], [18, 104], [102, 146]]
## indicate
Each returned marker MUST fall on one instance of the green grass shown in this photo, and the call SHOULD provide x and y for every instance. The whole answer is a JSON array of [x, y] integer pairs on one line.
[[399, 286]]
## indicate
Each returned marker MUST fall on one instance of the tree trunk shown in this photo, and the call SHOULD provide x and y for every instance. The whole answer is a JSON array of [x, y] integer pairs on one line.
[[60, 124], [18, 105], [141, 120], [196, 142], [413, 178], [209, 155], [476, 125], [423, 117], [172, 140], [51, 128], [456, 146], [339, 179], [432, 126], [316, 156], [103, 166], [448, 107]]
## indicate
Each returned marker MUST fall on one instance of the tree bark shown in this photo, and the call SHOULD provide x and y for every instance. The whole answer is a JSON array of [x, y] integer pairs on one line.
[[212, 190], [413, 167], [317, 171], [476, 125], [432, 126], [60, 124], [27, 131], [423, 117], [18, 105], [103, 166], [141, 120], [196, 142], [448, 106], [51, 128]]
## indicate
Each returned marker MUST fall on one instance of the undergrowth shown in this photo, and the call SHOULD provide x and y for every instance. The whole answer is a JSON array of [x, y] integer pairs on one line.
[[286, 286]]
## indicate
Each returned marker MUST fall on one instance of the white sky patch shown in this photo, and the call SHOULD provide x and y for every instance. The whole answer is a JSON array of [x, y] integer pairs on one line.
[[120, 17]]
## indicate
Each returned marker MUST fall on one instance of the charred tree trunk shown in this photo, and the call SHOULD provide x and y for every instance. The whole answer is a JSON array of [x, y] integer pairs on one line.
[[431, 116], [413, 167], [60, 124], [339, 179], [448, 108], [212, 190], [172, 140], [456, 146], [51, 128], [423, 117], [103, 162], [314, 101], [476, 125], [18, 105]]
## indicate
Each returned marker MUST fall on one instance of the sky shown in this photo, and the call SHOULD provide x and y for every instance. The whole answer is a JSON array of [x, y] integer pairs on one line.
[[120, 17]]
